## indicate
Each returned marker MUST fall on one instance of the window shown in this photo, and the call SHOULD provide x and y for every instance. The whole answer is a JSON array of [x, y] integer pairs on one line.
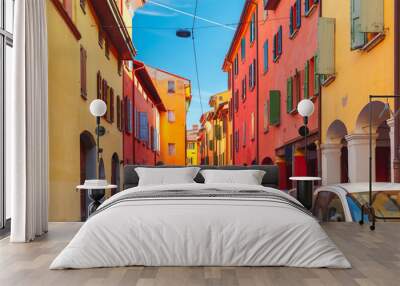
[[277, 49], [253, 28], [266, 116], [297, 6], [99, 85], [244, 134], [328, 207], [244, 88], [306, 83], [143, 127], [358, 38], [119, 113], [128, 115], [289, 95], [6, 71], [236, 65], [237, 140], [171, 149], [266, 56], [171, 116], [237, 100], [120, 67], [171, 86], [308, 6], [83, 61], [253, 127], [111, 105], [295, 18], [107, 48], [101, 38], [243, 49], [316, 76], [83, 5], [252, 74], [275, 107], [296, 89]]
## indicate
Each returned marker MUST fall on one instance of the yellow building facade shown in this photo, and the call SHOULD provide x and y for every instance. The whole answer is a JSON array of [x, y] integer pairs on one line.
[[175, 93], [216, 143], [355, 60], [192, 144], [85, 62]]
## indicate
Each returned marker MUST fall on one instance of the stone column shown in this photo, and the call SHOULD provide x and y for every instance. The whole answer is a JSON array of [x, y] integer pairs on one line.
[[330, 163], [358, 149], [390, 123]]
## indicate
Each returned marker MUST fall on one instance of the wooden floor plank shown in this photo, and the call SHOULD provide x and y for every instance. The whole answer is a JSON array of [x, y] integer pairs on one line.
[[375, 257]]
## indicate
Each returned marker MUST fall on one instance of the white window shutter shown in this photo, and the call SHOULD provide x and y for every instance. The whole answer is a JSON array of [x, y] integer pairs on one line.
[[371, 16]]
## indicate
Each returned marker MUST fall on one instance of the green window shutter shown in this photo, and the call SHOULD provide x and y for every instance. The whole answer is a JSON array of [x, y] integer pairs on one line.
[[306, 79], [326, 45], [289, 99], [275, 107], [316, 76], [358, 38], [371, 16]]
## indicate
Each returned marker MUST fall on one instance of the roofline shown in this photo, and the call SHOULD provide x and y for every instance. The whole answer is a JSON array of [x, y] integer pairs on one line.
[[238, 32], [170, 73], [142, 72]]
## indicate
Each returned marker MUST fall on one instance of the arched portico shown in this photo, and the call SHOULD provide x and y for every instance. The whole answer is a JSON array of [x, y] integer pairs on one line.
[[334, 158], [375, 113], [87, 166]]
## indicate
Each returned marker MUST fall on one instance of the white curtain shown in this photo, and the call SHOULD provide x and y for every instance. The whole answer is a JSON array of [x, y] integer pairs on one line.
[[27, 124]]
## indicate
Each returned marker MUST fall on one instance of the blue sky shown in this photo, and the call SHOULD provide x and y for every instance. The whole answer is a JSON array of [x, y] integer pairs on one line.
[[154, 37]]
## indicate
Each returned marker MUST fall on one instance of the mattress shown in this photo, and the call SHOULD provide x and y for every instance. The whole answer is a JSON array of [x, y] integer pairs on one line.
[[201, 225]]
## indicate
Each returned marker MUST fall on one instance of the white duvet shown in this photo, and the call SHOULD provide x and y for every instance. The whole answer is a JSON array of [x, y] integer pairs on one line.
[[200, 231]]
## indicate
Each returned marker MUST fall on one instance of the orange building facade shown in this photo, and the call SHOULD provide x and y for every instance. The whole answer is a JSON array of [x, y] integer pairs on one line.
[[175, 93]]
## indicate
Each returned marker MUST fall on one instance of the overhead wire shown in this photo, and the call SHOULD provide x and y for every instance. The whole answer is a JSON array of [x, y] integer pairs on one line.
[[195, 58]]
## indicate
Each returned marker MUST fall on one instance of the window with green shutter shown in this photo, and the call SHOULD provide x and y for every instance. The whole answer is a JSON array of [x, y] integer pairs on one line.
[[316, 76], [306, 79], [358, 38], [266, 56], [289, 96], [275, 107]]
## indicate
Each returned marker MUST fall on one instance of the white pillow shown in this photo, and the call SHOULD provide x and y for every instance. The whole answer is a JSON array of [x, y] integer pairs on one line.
[[248, 177], [166, 176]]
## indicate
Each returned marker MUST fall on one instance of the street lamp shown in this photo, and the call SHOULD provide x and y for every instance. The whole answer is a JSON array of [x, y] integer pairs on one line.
[[305, 109], [98, 108], [305, 184]]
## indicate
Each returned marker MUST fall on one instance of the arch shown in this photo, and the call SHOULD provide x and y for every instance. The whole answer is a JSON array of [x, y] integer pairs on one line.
[[380, 112], [115, 173], [267, 161], [87, 166], [336, 132]]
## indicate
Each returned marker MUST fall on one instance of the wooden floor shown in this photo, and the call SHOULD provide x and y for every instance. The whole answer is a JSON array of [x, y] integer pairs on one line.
[[375, 257]]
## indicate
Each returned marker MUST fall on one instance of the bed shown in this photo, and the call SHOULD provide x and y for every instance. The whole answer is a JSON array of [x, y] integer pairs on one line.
[[197, 224]]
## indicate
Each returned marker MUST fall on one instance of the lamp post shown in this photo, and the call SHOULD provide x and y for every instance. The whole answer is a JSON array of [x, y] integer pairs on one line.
[[305, 183], [98, 108], [305, 109]]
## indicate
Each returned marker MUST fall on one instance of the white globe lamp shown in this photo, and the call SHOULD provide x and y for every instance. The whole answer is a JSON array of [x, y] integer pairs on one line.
[[305, 108], [98, 108]]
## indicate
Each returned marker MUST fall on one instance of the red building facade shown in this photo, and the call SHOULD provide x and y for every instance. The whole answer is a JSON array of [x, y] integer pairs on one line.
[[288, 45], [142, 105], [241, 65], [265, 121]]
